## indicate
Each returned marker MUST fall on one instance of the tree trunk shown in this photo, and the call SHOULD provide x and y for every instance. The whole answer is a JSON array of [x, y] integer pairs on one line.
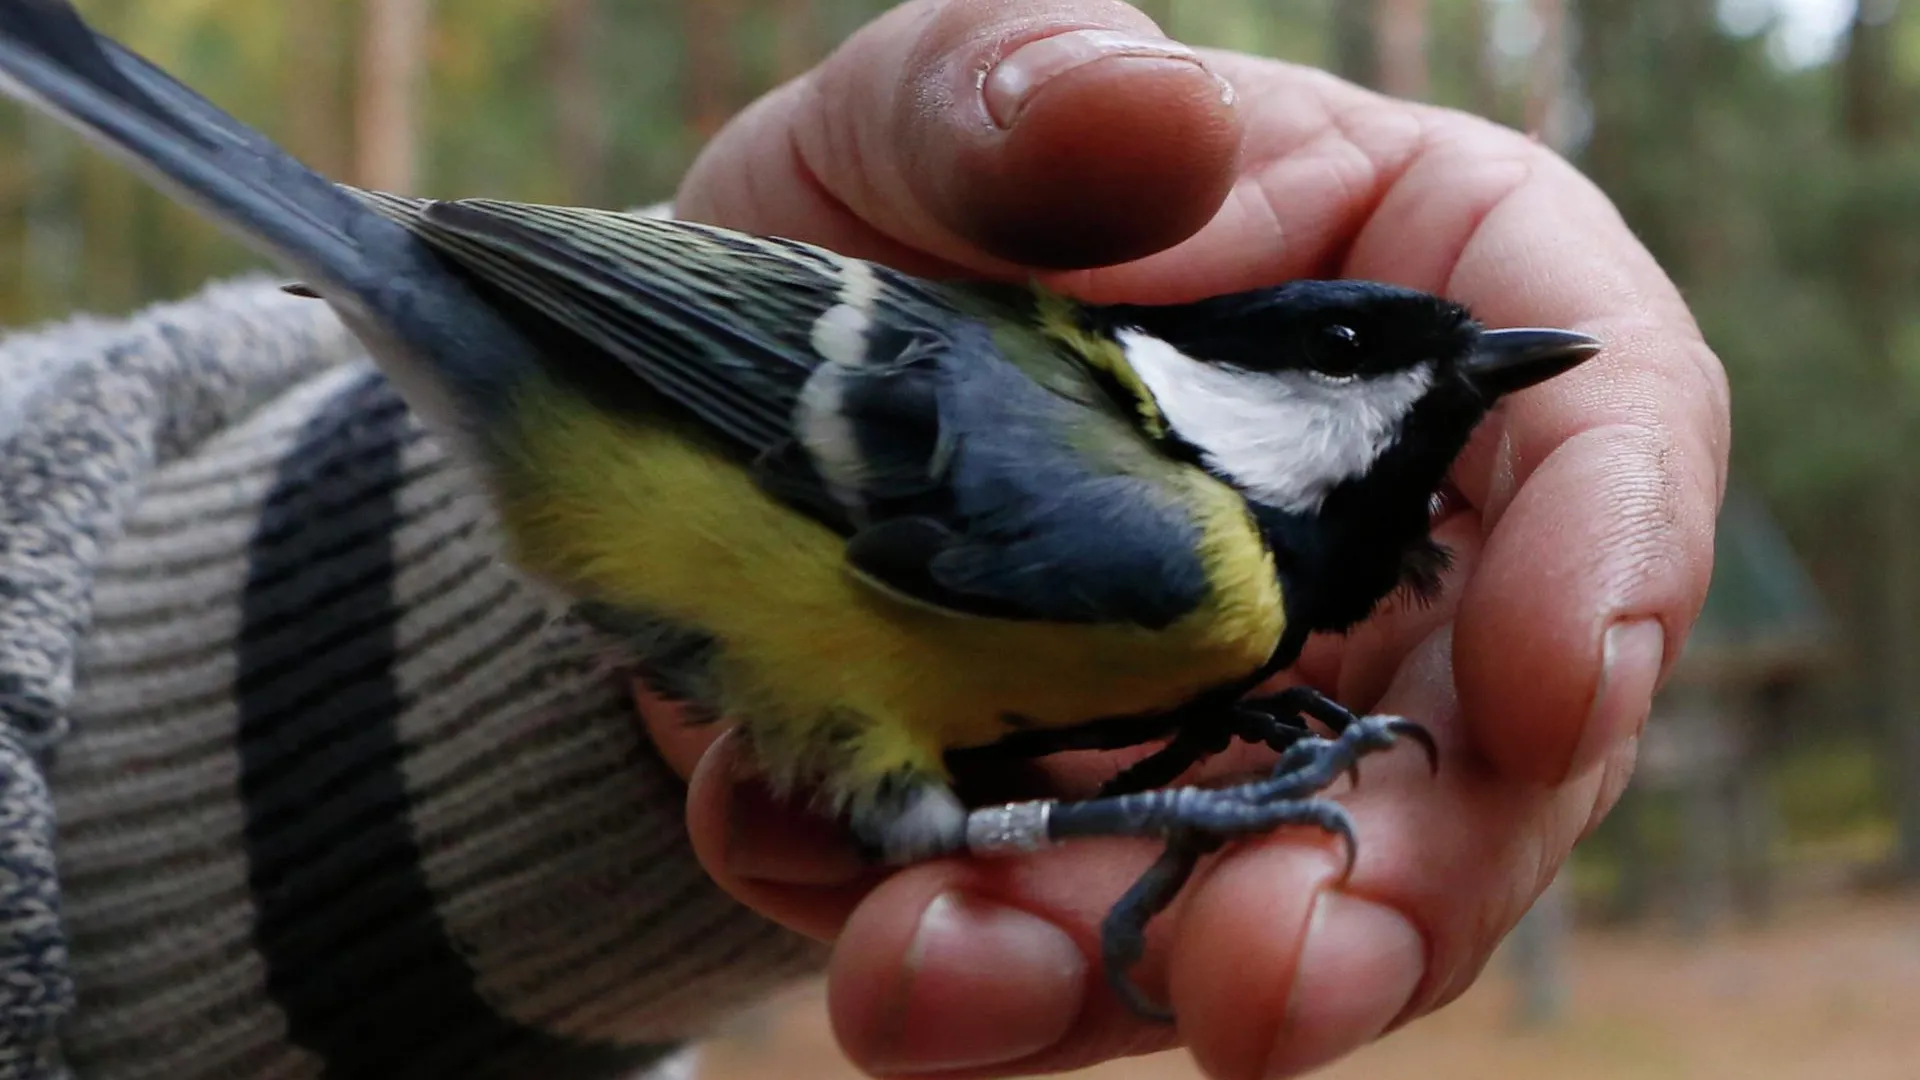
[[1875, 122], [580, 129], [1482, 77], [712, 79], [1547, 75], [1401, 34], [1604, 29], [799, 46], [311, 53], [1538, 955], [1355, 56], [393, 40]]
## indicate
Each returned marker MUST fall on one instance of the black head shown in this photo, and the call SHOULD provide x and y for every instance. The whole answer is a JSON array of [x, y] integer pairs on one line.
[[1338, 405], [1339, 329]]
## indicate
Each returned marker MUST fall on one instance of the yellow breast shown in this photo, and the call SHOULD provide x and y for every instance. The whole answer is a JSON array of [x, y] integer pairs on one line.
[[818, 663]]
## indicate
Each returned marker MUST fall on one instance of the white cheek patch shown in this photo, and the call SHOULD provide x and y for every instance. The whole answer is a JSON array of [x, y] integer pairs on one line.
[[1287, 438]]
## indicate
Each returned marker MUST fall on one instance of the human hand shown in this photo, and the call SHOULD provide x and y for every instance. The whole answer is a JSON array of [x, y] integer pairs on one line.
[[1582, 535]]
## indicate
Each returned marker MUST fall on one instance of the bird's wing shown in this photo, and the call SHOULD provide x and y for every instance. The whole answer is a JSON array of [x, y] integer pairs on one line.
[[725, 333], [992, 495], [863, 398]]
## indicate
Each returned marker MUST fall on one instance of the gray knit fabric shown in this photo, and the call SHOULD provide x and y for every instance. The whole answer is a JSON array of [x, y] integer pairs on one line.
[[336, 795]]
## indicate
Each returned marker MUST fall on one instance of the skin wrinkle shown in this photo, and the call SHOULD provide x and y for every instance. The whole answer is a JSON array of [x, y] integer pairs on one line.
[[756, 180], [841, 143], [1479, 218], [1698, 359], [896, 210], [1600, 401], [1390, 164], [1634, 552], [882, 248], [1360, 196], [1259, 203], [1633, 537]]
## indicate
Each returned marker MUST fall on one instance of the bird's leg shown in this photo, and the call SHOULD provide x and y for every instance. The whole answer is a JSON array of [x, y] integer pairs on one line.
[[1199, 729], [1276, 720], [1285, 708], [1191, 744], [1194, 820], [1107, 733], [1123, 935]]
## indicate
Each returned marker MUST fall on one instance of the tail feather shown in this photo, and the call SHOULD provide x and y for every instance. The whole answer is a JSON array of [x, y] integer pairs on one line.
[[452, 354], [50, 57]]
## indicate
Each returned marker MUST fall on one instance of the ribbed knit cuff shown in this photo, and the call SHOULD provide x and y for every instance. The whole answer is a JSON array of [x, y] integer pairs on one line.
[[339, 794]]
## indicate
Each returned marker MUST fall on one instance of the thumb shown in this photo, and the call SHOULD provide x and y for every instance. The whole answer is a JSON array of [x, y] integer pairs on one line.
[[984, 136]]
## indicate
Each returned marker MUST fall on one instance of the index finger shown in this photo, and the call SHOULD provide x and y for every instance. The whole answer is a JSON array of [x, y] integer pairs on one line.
[[1598, 489]]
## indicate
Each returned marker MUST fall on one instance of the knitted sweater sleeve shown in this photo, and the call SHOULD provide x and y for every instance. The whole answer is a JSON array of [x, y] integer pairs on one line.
[[336, 794]]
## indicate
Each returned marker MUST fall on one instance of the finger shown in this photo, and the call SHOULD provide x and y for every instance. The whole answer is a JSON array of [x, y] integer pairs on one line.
[[989, 135], [774, 855], [1599, 489], [988, 967], [1446, 866], [679, 739]]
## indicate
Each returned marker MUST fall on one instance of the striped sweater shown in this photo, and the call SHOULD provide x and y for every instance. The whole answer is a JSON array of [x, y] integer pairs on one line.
[[297, 779]]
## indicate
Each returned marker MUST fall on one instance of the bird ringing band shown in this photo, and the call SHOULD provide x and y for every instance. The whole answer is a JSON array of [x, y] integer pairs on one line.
[[1010, 829]]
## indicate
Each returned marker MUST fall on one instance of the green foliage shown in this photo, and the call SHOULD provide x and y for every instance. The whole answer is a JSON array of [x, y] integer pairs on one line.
[[1829, 790]]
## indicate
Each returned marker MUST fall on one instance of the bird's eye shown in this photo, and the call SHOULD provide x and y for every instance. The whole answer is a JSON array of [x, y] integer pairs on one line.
[[1337, 353]]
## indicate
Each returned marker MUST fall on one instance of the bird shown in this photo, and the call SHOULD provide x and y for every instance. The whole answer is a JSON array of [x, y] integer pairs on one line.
[[884, 521]]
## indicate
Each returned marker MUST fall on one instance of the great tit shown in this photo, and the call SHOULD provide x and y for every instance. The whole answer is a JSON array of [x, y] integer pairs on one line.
[[881, 520]]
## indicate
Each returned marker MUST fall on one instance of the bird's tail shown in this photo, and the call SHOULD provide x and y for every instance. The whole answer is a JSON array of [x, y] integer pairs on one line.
[[50, 58], [452, 355]]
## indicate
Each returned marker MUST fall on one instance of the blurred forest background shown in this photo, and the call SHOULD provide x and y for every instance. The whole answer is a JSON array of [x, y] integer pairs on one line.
[[1767, 150]]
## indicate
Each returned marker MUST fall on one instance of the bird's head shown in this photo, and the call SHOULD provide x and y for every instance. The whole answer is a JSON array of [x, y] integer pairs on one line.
[[1292, 392], [1347, 399]]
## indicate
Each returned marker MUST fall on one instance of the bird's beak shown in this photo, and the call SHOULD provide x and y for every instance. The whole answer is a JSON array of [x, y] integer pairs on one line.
[[1505, 361]]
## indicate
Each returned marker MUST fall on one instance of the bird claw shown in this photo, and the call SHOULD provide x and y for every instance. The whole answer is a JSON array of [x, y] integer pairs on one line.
[[1407, 729], [1342, 826], [1196, 821]]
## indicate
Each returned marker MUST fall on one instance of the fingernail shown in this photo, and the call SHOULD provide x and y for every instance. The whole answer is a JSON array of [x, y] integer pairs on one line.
[[983, 985], [1009, 84], [1358, 969], [781, 841], [1630, 659]]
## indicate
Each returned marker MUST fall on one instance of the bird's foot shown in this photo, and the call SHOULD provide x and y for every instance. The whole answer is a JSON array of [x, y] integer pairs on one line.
[[1196, 821], [1277, 721]]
